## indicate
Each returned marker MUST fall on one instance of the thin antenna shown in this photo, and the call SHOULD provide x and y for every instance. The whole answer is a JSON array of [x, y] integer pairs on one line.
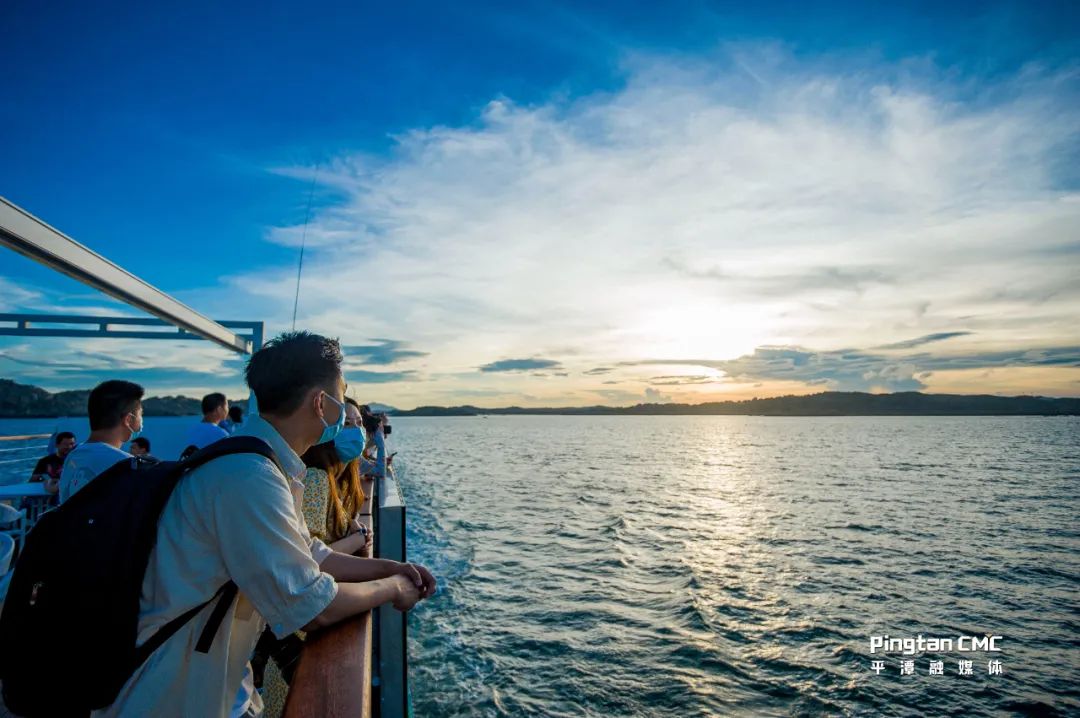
[[303, 243]]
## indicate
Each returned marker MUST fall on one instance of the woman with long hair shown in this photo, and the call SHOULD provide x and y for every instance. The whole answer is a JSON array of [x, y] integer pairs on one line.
[[332, 492], [332, 499]]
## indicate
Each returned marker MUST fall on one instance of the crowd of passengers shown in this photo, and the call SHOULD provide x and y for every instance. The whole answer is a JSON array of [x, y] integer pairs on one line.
[[291, 536]]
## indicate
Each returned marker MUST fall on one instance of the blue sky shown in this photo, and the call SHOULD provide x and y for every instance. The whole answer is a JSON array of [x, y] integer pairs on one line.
[[693, 197]]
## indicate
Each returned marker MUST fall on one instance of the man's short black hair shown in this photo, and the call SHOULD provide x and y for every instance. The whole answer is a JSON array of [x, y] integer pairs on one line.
[[142, 442], [111, 401], [64, 435], [236, 414], [213, 402], [289, 366]]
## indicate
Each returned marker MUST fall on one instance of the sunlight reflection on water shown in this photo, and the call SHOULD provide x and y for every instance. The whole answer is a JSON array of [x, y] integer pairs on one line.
[[737, 565]]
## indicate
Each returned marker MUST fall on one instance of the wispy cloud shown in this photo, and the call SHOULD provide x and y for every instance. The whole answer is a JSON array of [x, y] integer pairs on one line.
[[623, 396], [383, 351], [359, 376], [926, 339], [685, 380], [15, 297], [858, 370], [808, 281], [505, 365]]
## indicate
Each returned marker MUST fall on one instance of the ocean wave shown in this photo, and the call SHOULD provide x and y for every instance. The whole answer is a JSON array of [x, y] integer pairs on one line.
[[708, 577]]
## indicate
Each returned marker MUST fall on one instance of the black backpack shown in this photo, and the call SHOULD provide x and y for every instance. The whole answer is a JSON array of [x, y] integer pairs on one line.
[[73, 601]]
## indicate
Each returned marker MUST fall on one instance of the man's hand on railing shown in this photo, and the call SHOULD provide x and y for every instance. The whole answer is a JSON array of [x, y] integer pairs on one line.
[[407, 593], [354, 598], [421, 578], [429, 583]]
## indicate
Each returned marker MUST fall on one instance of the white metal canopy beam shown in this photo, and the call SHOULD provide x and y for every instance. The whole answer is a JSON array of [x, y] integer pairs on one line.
[[28, 235]]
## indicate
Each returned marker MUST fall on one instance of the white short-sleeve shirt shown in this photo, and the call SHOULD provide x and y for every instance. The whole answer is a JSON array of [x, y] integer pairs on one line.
[[204, 433], [85, 464], [232, 519]]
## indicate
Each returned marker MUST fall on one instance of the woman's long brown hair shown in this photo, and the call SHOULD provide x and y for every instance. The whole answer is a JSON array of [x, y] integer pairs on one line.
[[349, 482], [346, 495]]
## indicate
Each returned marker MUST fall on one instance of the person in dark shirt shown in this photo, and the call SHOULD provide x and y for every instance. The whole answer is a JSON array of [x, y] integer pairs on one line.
[[140, 446], [48, 467]]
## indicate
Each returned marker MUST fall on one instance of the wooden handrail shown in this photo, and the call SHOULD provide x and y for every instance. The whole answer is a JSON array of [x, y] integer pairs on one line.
[[333, 675], [25, 437]]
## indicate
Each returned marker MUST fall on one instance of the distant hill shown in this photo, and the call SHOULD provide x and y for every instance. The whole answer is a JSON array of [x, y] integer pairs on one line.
[[829, 403], [24, 401], [171, 406]]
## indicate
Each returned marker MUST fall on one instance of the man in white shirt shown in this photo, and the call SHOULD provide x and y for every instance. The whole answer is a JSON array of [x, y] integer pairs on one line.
[[115, 412], [215, 407], [235, 519]]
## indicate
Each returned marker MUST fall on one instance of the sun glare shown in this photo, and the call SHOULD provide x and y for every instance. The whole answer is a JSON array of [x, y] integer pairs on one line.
[[701, 331]]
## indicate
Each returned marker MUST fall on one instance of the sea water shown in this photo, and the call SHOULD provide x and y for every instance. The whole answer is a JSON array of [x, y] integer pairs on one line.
[[718, 566], [746, 566]]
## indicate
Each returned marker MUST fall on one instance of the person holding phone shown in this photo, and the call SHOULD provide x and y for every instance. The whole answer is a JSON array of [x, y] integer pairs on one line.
[[373, 462]]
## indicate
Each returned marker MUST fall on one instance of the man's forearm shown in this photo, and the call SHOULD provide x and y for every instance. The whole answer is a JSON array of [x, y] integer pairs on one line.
[[356, 568], [355, 598]]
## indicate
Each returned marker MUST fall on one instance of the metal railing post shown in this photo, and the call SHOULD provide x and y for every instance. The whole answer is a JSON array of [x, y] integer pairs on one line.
[[392, 624]]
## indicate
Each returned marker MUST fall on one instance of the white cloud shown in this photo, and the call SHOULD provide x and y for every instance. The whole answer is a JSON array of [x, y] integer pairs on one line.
[[655, 396], [15, 297], [699, 212], [705, 209]]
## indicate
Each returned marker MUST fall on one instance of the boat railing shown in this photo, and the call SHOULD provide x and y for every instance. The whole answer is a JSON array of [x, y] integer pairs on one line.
[[391, 625], [359, 667], [333, 675], [18, 455], [11, 455]]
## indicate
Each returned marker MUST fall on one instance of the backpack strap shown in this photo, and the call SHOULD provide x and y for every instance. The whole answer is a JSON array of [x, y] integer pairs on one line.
[[166, 632], [231, 445], [226, 594]]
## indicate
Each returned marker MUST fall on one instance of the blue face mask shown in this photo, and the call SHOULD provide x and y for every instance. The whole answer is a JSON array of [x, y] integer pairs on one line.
[[349, 443], [330, 431], [136, 433]]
